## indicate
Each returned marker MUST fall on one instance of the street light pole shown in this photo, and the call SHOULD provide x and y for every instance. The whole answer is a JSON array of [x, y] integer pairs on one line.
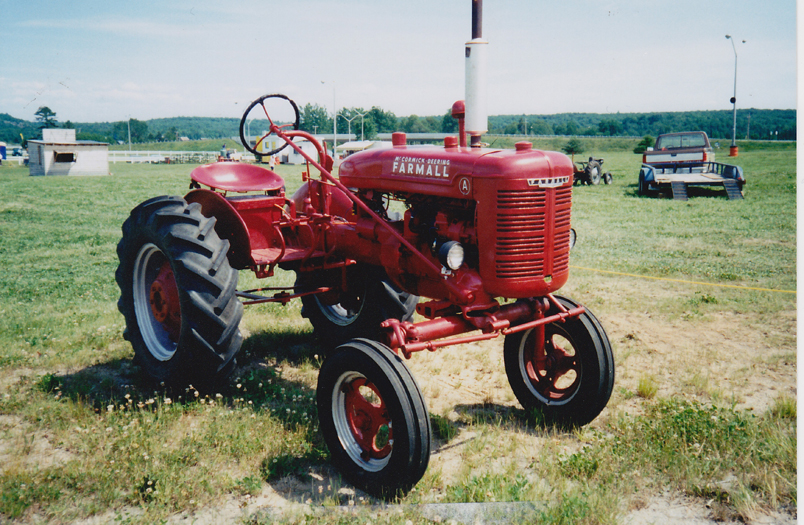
[[349, 126], [349, 121], [361, 125], [733, 152]]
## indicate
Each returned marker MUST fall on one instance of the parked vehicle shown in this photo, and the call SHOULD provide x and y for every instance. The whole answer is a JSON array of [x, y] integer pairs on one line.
[[679, 160]]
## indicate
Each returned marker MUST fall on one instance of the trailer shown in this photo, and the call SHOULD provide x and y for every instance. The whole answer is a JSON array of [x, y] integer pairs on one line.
[[686, 159]]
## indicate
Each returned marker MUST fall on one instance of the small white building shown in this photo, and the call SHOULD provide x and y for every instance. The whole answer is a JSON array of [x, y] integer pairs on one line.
[[288, 155], [58, 153], [347, 148], [291, 156]]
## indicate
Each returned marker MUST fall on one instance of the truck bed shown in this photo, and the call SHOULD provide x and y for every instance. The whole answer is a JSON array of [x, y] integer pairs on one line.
[[689, 177]]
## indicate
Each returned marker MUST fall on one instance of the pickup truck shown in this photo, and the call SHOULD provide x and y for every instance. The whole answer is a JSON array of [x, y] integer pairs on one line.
[[682, 159]]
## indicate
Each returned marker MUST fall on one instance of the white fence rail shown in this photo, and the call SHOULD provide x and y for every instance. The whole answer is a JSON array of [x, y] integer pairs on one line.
[[171, 157]]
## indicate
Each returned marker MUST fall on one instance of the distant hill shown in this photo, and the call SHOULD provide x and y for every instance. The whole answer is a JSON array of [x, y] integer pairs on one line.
[[761, 123], [13, 130], [197, 127], [113, 132]]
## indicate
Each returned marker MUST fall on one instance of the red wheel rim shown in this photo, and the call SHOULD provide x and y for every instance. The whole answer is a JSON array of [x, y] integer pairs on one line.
[[368, 419], [164, 301], [554, 372]]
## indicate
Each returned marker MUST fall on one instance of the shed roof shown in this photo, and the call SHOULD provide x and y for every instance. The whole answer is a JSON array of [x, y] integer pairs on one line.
[[73, 143]]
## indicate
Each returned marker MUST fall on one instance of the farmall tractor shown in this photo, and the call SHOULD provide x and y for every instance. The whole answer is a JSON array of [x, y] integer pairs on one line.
[[481, 248]]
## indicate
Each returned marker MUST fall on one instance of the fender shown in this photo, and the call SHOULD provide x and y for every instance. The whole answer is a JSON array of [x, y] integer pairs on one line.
[[229, 225]]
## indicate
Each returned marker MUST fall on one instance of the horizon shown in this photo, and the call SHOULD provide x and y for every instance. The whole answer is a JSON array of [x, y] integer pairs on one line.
[[59, 121]]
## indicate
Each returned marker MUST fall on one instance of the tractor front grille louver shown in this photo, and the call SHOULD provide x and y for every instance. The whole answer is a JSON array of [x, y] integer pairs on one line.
[[525, 220]]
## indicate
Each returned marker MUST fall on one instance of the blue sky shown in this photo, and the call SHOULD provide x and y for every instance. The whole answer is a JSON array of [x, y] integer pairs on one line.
[[93, 61]]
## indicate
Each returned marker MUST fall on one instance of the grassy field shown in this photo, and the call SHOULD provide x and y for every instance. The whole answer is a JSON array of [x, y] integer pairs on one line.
[[80, 437]]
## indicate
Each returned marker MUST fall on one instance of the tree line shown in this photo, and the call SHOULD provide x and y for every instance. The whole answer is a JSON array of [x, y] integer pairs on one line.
[[756, 124], [762, 124]]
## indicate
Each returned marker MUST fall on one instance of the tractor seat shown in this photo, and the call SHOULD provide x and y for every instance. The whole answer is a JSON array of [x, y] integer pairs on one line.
[[237, 176]]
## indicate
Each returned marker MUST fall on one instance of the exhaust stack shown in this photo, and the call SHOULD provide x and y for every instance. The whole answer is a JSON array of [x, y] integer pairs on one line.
[[475, 91]]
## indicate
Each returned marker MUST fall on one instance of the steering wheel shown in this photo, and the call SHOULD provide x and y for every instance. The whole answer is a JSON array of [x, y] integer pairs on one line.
[[279, 109]]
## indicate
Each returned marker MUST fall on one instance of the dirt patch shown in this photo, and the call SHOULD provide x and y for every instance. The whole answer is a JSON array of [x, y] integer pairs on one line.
[[37, 450], [674, 509], [722, 359]]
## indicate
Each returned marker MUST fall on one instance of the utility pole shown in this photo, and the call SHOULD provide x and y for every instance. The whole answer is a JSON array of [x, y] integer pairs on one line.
[[733, 152]]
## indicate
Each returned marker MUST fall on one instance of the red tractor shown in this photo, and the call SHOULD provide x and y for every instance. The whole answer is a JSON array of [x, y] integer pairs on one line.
[[484, 240]]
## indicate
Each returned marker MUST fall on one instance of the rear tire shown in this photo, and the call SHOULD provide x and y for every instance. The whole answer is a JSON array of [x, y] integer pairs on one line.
[[373, 418], [372, 299], [572, 383], [177, 294], [593, 172]]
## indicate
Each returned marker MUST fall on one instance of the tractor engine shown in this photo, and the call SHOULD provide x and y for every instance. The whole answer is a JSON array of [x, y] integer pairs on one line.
[[507, 211]]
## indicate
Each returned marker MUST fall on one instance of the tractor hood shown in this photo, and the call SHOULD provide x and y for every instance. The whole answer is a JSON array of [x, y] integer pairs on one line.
[[450, 171]]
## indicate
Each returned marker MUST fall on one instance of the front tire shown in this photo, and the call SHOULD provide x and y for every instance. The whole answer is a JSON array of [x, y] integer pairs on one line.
[[177, 294], [373, 418], [571, 382]]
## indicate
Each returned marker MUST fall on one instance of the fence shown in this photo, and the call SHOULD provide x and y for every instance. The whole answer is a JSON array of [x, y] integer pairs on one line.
[[170, 157]]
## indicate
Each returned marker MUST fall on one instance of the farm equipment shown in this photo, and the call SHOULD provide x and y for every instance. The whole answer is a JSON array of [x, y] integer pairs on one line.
[[484, 240], [591, 172]]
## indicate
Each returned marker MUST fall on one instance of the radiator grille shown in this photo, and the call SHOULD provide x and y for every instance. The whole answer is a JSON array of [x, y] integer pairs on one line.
[[562, 230], [522, 223]]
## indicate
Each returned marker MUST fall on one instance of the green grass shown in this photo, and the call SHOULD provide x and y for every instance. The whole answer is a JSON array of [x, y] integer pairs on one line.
[[647, 387], [714, 453], [707, 239], [80, 437]]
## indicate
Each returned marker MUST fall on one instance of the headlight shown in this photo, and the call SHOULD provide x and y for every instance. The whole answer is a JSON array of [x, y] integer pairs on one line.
[[572, 237], [451, 255]]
